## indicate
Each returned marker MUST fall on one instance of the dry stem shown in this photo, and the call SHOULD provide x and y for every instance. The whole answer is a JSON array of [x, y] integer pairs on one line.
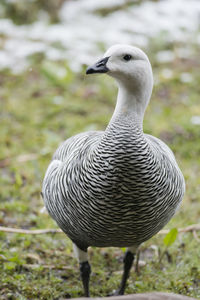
[[191, 228]]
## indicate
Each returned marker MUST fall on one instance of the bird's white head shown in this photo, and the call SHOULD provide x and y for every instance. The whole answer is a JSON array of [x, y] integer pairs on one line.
[[132, 70]]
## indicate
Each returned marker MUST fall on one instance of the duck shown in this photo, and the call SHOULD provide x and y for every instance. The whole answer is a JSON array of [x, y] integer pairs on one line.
[[117, 187]]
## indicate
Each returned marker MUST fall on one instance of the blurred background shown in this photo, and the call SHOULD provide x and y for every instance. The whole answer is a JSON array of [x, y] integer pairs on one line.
[[45, 97]]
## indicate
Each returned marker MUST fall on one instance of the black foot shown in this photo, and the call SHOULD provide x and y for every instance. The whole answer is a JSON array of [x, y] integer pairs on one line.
[[128, 261], [85, 271]]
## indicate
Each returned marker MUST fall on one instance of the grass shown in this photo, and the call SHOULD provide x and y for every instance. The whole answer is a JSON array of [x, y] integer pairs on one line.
[[47, 104]]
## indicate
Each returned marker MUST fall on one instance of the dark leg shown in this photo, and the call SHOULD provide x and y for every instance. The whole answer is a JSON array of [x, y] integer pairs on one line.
[[85, 268], [128, 261], [85, 271]]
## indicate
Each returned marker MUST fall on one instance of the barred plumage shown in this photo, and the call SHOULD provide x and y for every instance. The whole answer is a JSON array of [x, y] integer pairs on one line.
[[116, 187]]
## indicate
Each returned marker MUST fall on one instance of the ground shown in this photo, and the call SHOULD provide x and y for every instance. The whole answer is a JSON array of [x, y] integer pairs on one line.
[[48, 103]]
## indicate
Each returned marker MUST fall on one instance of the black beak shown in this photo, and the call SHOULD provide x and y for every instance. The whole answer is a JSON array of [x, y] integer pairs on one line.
[[99, 67]]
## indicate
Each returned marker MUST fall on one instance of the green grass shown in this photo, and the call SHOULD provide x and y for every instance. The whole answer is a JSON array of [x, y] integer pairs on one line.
[[47, 104]]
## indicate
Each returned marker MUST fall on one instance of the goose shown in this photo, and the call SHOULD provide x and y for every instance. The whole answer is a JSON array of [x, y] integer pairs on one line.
[[118, 187]]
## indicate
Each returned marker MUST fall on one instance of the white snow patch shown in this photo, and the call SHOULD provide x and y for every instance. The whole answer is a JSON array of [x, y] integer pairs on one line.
[[167, 73], [195, 120], [82, 32], [186, 77], [165, 56]]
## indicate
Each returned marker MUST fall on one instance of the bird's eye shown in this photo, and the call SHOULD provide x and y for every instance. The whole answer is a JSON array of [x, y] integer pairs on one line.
[[127, 57]]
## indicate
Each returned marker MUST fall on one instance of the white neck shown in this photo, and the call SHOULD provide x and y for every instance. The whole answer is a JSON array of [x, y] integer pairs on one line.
[[131, 104]]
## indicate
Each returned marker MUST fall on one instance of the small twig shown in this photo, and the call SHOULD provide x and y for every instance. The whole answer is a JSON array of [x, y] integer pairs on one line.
[[33, 266], [137, 269], [26, 231], [191, 228], [196, 236]]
